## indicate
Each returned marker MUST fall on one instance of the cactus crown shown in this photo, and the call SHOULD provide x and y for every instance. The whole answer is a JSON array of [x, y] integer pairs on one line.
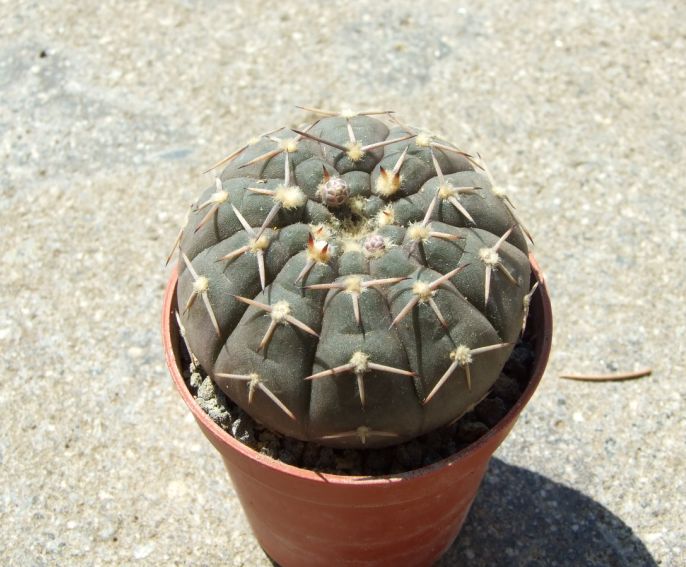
[[360, 281]]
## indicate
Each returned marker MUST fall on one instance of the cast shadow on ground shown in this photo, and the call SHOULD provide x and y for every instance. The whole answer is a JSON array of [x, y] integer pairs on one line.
[[522, 518]]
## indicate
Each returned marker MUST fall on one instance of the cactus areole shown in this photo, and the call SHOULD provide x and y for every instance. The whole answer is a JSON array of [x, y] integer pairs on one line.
[[355, 283]]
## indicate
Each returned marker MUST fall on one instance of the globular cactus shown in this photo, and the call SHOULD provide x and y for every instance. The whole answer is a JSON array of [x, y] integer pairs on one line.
[[356, 283]]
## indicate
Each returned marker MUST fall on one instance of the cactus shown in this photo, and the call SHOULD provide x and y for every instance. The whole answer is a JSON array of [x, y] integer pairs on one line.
[[355, 283]]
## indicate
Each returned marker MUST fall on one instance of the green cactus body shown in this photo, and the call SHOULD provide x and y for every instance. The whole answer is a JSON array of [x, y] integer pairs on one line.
[[354, 284]]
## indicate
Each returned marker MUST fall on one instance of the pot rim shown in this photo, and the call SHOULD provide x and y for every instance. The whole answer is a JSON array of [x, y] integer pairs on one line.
[[541, 301]]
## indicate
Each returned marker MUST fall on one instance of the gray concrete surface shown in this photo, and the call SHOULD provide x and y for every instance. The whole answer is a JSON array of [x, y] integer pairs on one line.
[[109, 111]]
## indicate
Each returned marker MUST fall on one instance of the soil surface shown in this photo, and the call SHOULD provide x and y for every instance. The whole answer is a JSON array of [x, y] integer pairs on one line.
[[422, 451]]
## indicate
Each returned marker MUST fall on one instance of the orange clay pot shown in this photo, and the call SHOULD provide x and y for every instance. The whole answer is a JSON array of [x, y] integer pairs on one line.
[[303, 518]]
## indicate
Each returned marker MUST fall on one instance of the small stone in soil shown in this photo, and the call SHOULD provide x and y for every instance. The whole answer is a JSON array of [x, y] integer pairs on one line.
[[294, 446], [431, 456], [517, 365], [206, 389], [433, 440], [270, 448], [285, 456], [379, 462], [507, 389], [448, 447], [348, 461], [490, 411], [410, 455], [469, 431], [310, 455], [326, 459], [212, 402], [195, 380], [242, 429]]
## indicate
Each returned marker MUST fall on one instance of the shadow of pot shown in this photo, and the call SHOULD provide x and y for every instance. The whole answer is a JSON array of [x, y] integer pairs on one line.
[[520, 517], [305, 518]]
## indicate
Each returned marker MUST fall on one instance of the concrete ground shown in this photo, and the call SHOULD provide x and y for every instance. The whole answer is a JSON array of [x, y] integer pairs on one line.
[[109, 111]]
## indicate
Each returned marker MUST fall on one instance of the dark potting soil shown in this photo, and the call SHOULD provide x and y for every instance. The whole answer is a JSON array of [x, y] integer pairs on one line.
[[419, 452]]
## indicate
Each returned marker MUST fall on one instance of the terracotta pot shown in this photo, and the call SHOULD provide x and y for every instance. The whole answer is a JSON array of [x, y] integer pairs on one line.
[[304, 518]]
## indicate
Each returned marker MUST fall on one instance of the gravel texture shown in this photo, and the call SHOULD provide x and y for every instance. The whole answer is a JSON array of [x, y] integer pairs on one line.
[[403, 457], [109, 111]]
